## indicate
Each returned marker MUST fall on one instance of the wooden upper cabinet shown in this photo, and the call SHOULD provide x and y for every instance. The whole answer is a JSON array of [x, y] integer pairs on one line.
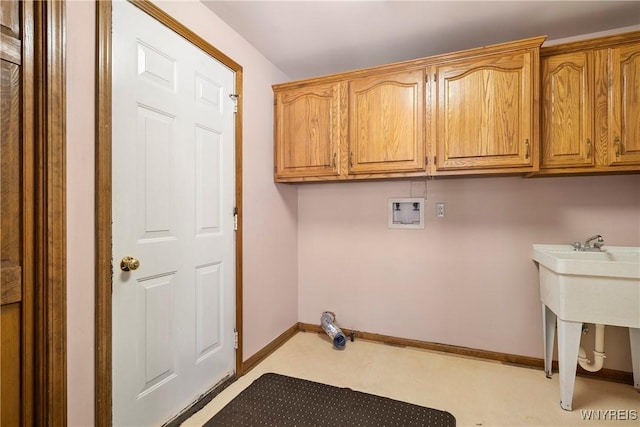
[[567, 110], [307, 131], [484, 112], [506, 108], [386, 123], [624, 104], [591, 106]]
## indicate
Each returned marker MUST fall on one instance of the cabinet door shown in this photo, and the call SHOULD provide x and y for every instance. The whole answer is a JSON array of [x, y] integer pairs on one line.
[[484, 113], [307, 131], [567, 110], [386, 123], [624, 105]]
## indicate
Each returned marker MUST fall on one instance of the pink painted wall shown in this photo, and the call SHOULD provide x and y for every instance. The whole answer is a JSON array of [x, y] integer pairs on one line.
[[467, 279], [270, 211], [80, 212]]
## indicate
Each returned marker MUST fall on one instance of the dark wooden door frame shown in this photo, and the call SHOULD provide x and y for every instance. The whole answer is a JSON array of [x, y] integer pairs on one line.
[[45, 101], [104, 272]]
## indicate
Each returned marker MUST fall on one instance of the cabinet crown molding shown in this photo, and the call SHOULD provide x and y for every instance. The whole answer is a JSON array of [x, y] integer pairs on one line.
[[477, 52], [592, 43]]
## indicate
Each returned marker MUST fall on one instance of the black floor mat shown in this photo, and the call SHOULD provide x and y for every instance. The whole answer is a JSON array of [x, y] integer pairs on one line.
[[281, 401]]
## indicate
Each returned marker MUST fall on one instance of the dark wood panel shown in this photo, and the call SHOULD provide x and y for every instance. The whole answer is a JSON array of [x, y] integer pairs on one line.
[[10, 49], [29, 213], [33, 231], [10, 18], [32, 225], [10, 386], [15, 373], [11, 285], [50, 232], [10, 167]]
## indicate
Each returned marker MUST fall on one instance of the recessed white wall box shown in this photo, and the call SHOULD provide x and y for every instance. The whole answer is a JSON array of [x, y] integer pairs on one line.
[[406, 212]]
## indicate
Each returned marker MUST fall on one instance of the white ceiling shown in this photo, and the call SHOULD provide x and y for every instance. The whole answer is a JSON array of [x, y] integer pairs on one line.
[[313, 38]]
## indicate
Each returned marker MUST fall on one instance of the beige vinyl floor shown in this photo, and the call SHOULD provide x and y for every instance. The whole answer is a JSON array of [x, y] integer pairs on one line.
[[476, 392]]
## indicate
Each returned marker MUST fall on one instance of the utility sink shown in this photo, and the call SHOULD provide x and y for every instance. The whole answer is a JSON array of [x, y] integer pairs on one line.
[[576, 287], [591, 287]]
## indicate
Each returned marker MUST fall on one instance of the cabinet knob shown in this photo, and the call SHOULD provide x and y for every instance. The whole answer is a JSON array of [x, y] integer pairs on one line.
[[526, 144], [589, 148], [618, 144]]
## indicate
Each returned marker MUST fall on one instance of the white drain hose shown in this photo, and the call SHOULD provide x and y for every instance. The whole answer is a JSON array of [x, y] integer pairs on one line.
[[598, 353]]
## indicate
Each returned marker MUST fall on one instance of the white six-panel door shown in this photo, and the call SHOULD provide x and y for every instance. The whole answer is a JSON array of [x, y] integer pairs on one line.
[[173, 197]]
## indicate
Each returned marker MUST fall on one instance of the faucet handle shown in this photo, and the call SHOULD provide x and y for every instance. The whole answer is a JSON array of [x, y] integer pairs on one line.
[[577, 246]]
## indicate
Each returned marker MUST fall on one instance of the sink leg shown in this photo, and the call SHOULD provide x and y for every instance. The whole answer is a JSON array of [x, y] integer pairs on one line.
[[568, 346], [634, 338], [549, 332]]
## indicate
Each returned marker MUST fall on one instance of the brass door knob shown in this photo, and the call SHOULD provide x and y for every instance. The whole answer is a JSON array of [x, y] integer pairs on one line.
[[129, 263]]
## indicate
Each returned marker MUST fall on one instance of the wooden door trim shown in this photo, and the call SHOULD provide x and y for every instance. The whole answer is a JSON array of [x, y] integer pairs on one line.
[[103, 303], [103, 272], [49, 255]]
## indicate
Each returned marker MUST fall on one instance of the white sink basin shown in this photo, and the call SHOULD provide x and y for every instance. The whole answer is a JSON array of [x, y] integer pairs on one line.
[[591, 287], [617, 261]]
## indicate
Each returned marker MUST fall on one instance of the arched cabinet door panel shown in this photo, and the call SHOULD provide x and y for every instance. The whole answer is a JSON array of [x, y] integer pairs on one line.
[[567, 110], [386, 123], [624, 104], [484, 113], [307, 131]]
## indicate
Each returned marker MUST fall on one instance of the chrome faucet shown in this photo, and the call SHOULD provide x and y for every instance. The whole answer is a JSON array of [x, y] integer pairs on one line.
[[596, 247]]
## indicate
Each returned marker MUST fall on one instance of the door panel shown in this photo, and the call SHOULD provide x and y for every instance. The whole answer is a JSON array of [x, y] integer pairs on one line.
[[155, 332], [12, 224], [207, 203], [484, 110], [307, 131], [567, 110], [10, 385], [173, 197], [208, 300], [386, 123], [624, 108], [153, 166]]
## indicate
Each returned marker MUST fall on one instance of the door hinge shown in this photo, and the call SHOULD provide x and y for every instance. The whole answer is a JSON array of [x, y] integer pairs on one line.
[[235, 339], [235, 219], [234, 97]]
